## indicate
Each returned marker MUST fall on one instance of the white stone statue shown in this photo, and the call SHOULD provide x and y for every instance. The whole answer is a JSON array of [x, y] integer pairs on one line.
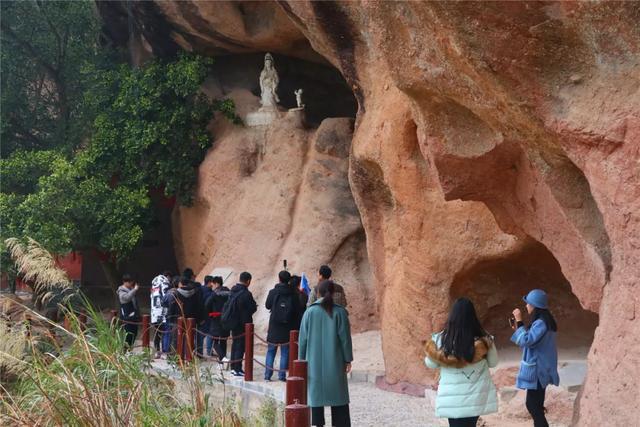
[[298, 94], [269, 84]]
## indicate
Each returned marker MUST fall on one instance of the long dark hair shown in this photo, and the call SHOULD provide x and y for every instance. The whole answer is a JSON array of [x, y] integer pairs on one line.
[[546, 316], [326, 288], [461, 330]]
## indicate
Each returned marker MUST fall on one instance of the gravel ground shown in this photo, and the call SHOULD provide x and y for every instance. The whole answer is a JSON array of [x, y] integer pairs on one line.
[[371, 406]]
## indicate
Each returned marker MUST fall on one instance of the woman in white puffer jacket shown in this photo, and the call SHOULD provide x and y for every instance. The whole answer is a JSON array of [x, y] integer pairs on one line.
[[463, 352]]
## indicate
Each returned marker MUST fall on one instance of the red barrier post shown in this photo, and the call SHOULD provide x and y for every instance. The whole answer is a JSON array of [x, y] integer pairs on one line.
[[300, 370], [67, 322], [293, 349], [82, 318], [191, 325], [295, 390], [297, 415], [248, 352], [146, 321], [180, 343]]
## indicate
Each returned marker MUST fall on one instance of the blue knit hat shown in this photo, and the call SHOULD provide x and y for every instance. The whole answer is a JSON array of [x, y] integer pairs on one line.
[[537, 298]]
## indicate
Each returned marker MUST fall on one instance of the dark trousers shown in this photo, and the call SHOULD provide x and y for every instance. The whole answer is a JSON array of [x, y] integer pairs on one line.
[[161, 336], [237, 349], [157, 336], [535, 406], [220, 347], [463, 422], [203, 328], [339, 416], [130, 332]]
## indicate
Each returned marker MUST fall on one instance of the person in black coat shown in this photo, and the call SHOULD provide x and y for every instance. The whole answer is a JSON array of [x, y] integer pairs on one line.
[[213, 305], [284, 303], [304, 298], [246, 307], [186, 301], [172, 311]]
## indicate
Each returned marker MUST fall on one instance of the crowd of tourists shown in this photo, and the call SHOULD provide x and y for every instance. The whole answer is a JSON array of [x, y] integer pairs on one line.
[[463, 351]]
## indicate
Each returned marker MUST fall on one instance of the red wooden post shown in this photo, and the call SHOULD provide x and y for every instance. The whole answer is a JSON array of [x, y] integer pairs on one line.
[[293, 349], [191, 325], [300, 370], [146, 320], [67, 322], [248, 352], [295, 390], [82, 318], [297, 415], [180, 338]]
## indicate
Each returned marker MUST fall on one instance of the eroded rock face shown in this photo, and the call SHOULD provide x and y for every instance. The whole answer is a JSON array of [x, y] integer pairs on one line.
[[532, 109], [266, 194], [482, 126]]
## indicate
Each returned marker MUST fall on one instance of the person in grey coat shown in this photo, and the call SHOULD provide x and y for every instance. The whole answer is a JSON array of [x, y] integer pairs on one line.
[[129, 311]]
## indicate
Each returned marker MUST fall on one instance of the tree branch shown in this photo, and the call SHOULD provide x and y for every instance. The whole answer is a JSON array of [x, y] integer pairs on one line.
[[54, 30], [30, 49]]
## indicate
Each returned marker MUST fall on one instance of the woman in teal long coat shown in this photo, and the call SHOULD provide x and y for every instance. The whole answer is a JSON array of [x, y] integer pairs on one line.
[[325, 343]]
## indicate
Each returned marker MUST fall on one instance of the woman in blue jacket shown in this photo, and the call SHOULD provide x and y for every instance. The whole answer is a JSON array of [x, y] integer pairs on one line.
[[539, 365]]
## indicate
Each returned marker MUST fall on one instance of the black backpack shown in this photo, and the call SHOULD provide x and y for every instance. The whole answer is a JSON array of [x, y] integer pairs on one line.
[[283, 309], [231, 317]]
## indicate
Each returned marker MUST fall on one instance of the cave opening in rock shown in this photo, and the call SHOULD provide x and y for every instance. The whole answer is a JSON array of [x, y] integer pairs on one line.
[[496, 287], [325, 91]]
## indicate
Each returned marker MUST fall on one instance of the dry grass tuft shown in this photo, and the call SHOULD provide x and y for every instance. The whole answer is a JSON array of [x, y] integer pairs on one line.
[[38, 268]]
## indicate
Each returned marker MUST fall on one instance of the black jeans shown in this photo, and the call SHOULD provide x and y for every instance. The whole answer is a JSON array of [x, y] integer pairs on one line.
[[130, 332], [339, 416], [535, 406], [157, 336], [237, 349], [220, 347], [463, 422]]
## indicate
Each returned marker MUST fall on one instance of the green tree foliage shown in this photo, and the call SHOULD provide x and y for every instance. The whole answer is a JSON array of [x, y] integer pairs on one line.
[[44, 46], [80, 156]]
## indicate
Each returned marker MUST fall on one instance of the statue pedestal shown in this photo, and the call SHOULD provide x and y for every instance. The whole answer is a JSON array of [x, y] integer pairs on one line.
[[262, 117], [296, 117]]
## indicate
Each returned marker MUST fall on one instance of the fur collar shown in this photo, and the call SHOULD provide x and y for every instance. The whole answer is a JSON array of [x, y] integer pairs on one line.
[[481, 349]]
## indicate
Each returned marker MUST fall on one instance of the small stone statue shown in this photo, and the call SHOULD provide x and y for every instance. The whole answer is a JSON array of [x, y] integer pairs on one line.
[[298, 94], [269, 84]]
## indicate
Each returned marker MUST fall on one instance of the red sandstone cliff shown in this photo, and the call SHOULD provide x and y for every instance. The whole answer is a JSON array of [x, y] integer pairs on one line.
[[482, 127]]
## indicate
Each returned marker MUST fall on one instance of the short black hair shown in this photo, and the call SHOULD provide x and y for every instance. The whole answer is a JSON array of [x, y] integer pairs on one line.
[[325, 271], [185, 280], [245, 276], [208, 279], [175, 282], [188, 272], [127, 277], [218, 280], [167, 273], [284, 276]]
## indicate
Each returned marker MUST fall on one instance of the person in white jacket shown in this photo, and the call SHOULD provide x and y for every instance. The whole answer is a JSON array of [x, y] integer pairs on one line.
[[159, 287], [463, 352]]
